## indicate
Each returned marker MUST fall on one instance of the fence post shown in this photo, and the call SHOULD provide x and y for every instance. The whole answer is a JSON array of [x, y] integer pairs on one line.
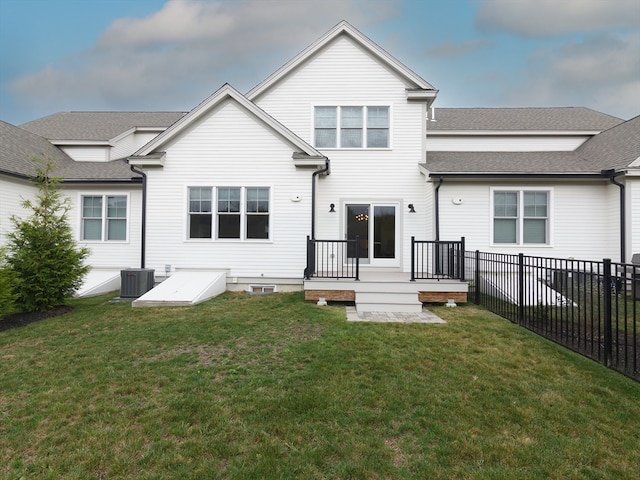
[[413, 259], [310, 270], [477, 277], [607, 312], [461, 259], [520, 289]]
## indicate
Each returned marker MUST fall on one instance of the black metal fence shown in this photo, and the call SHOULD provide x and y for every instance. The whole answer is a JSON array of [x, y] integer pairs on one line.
[[591, 307]]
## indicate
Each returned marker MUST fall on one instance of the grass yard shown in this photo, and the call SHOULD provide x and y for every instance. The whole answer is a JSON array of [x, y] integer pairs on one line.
[[270, 387]]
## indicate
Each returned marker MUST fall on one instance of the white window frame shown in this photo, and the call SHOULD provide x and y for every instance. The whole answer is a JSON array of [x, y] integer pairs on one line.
[[365, 127], [104, 219], [190, 213], [243, 213], [521, 190]]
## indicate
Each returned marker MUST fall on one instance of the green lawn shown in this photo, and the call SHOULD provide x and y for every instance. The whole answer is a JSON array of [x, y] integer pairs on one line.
[[270, 387]]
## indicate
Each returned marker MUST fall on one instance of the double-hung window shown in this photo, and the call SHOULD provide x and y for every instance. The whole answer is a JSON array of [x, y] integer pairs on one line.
[[257, 210], [239, 213], [229, 212], [351, 126], [104, 218], [200, 214], [521, 217]]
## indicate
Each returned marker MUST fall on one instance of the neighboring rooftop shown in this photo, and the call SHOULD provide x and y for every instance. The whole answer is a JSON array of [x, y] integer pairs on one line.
[[505, 163], [526, 119], [615, 148], [97, 126], [20, 147]]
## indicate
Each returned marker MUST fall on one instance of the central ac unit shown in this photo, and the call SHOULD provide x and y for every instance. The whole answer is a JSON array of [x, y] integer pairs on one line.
[[135, 282]]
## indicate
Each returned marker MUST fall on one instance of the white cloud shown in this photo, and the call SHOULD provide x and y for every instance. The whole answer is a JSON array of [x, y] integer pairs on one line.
[[602, 72], [175, 57], [548, 18], [456, 49], [178, 21]]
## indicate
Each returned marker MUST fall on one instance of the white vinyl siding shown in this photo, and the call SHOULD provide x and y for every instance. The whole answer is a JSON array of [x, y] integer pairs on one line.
[[209, 156], [520, 217], [343, 75], [96, 153], [351, 127], [104, 218], [633, 212]]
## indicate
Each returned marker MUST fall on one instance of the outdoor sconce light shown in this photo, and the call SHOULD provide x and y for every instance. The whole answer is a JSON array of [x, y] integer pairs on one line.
[[411, 209], [332, 208]]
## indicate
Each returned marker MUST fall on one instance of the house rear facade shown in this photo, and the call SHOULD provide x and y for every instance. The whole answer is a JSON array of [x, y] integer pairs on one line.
[[342, 143]]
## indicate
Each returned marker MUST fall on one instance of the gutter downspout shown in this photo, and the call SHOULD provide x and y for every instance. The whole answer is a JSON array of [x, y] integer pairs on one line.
[[143, 236], [612, 174], [437, 206], [313, 195]]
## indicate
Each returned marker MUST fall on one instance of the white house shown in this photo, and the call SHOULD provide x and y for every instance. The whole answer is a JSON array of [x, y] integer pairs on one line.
[[341, 143]]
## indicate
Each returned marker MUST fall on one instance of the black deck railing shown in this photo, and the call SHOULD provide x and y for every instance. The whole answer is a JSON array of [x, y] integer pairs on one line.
[[333, 259], [432, 259], [591, 307], [341, 259]]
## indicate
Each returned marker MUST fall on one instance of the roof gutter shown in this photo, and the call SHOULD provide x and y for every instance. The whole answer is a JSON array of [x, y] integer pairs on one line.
[[484, 175], [612, 174], [326, 170]]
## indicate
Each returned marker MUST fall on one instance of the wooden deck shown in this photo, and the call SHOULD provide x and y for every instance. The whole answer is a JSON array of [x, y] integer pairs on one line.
[[379, 291]]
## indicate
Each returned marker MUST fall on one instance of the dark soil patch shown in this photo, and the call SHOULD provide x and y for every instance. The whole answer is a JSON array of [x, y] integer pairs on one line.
[[15, 320]]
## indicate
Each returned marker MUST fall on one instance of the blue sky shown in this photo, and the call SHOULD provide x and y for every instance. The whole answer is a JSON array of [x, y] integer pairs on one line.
[[69, 55]]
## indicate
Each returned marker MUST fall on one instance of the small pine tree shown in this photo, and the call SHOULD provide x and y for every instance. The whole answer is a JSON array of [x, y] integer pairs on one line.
[[47, 265]]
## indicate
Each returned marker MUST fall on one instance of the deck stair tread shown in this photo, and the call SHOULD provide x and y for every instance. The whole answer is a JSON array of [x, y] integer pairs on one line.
[[386, 291]]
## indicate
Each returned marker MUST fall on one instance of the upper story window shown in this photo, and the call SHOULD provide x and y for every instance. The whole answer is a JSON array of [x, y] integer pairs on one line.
[[351, 127], [104, 218], [240, 213], [521, 217]]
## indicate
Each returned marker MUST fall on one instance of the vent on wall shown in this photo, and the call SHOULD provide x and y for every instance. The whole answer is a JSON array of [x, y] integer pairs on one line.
[[135, 282], [262, 289]]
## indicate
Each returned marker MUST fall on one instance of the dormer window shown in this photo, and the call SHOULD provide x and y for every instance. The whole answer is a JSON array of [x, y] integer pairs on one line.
[[351, 127]]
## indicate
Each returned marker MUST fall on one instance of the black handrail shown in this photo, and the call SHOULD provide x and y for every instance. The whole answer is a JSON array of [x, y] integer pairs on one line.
[[333, 259], [433, 259]]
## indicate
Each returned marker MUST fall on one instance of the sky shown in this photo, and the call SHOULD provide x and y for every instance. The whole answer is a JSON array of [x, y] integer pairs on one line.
[[169, 55]]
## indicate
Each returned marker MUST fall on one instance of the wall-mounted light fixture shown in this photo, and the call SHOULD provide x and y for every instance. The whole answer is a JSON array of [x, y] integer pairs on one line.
[[411, 209], [332, 208]]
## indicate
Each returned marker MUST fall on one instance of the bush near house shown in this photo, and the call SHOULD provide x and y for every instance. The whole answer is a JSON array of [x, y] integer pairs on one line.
[[7, 296], [46, 264]]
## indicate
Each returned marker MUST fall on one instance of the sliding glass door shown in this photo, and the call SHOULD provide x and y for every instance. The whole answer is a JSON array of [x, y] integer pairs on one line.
[[377, 227]]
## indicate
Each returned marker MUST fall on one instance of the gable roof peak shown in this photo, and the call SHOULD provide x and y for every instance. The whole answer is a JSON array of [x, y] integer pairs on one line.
[[225, 92], [343, 28]]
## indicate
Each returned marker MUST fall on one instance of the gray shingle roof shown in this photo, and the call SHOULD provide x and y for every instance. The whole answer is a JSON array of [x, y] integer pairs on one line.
[[614, 148], [97, 126], [526, 119], [19, 147], [508, 163]]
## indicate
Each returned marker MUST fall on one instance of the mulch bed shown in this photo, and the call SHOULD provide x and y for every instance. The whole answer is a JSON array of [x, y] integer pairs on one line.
[[15, 320]]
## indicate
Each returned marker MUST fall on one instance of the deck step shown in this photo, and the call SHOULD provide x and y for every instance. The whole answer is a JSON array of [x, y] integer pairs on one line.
[[387, 302]]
